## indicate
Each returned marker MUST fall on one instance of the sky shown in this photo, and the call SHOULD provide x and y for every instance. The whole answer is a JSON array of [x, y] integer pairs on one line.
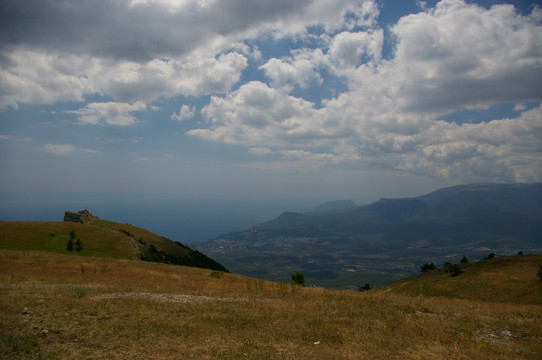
[[153, 100]]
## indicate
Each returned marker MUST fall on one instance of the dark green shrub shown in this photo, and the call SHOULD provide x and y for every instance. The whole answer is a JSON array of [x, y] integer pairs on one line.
[[298, 279], [428, 267], [365, 287], [69, 245], [78, 245], [540, 272], [491, 255], [455, 270], [464, 260]]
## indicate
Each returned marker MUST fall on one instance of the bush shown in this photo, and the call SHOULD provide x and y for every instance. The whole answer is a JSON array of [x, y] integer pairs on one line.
[[365, 287], [78, 245], [455, 270], [540, 272], [428, 267], [298, 279], [69, 245], [491, 255], [464, 260]]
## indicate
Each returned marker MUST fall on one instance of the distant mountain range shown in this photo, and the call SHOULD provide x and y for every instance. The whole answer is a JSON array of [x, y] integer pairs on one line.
[[341, 244]]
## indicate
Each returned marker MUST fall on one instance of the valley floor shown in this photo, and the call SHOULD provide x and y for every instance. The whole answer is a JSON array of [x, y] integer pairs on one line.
[[55, 306]]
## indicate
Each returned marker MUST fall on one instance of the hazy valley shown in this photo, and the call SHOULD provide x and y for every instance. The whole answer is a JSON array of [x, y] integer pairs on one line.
[[341, 244]]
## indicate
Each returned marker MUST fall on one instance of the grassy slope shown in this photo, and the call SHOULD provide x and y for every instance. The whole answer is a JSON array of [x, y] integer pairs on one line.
[[99, 237], [57, 306], [507, 278]]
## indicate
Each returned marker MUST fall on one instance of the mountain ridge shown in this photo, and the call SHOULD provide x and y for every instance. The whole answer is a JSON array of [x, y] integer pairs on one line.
[[389, 238]]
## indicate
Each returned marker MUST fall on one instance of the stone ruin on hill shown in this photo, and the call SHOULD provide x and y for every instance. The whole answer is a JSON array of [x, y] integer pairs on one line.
[[76, 217]]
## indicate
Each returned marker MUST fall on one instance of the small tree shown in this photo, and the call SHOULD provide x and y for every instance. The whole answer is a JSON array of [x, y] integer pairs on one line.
[[298, 279], [540, 272], [464, 260], [72, 235], [78, 245], [455, 270], [491, 255], [365, 287], [428, 267], [69, 245]]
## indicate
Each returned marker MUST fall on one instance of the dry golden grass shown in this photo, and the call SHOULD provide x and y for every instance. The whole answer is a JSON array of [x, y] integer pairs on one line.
[[502, 279], [55, 306]]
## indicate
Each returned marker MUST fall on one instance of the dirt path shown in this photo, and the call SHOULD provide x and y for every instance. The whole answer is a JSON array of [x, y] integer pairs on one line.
[[177, 298]]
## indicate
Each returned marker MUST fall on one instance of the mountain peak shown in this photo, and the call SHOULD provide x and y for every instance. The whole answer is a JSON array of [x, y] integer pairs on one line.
[[335, 205]]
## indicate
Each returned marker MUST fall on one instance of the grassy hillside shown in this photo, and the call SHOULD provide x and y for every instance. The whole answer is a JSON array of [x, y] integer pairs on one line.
[[99, 238], [507, 278], [57, 306]]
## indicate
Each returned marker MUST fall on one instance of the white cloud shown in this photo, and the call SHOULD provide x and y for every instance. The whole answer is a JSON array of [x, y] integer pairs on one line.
[[64, 149], [257, 115], [260, 151], [458, 55], [110, 113], [185, 113], [451, 57], [347, 49], [59, 149], [41, 78], [292, 71], [520, 107]]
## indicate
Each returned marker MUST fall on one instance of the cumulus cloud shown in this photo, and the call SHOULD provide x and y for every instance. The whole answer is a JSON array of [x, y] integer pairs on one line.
[[458, 55], [257, 114], [453, 56], [110, 113], [348, 49], [185, 113], [42, 78], [300, 69], [142, 50]]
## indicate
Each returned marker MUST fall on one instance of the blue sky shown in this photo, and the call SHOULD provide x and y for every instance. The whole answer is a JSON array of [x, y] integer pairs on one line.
[[245, 99]]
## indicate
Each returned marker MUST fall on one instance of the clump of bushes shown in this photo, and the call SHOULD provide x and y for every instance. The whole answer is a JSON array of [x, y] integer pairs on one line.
[[427, 267], [70, 244], [454, 270], [194, 258]]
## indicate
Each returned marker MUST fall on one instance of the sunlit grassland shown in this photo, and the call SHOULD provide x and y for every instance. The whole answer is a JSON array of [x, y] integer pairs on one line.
[[56, 306], [99, 237], [506, 278]]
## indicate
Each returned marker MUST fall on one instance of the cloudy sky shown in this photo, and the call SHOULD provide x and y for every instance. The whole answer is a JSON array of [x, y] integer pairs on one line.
[[258, 99]]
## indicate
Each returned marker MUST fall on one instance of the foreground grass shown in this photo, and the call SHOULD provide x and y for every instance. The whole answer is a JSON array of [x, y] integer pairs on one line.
[[55, 306]]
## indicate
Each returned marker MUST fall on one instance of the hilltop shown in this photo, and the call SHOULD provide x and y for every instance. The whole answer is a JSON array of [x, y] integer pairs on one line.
[[100, 238], [388, 239]]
